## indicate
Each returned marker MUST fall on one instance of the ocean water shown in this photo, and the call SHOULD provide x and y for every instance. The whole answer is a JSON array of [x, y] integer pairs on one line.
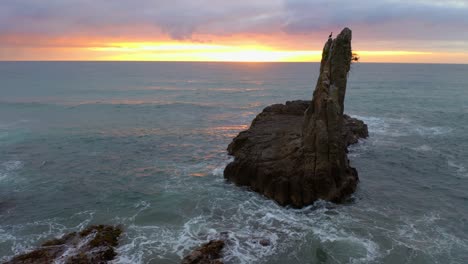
[[144, 145]]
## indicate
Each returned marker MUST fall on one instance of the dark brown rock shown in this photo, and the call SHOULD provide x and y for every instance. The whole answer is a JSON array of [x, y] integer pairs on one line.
[[353, 130], [95, 244], [209, 253], [265, 242], [296, 153]]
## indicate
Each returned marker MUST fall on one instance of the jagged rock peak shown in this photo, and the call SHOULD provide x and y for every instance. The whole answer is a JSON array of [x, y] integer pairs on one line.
[[296, 153]]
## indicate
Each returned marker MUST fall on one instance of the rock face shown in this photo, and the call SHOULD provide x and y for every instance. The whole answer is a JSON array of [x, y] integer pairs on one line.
[[95, 244], [296, 153], [209, 253]]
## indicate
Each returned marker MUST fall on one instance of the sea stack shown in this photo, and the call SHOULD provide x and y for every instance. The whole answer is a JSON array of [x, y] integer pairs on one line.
[[296, 153]]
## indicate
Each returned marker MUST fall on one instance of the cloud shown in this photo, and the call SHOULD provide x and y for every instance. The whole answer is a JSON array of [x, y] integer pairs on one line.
[[382, 19], [387, 21], [180, 19]]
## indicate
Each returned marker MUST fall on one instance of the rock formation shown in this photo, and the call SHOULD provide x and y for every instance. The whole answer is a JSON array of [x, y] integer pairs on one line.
[[208, 253], [296, 153], [95, 244]]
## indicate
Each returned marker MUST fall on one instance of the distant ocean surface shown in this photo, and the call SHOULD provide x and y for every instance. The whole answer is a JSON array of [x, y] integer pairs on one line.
[[144, 145]]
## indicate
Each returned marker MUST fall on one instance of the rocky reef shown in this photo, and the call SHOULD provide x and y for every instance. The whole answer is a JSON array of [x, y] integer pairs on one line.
[[296, 153], [95, 244], [208, 253]]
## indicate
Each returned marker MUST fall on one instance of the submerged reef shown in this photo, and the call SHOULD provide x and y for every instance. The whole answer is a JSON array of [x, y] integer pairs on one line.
[[296, 153], [95, 244]]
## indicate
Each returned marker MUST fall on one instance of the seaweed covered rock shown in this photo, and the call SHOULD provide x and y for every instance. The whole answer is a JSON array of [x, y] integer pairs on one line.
[[208, 253], [95, 244], [296, 153]]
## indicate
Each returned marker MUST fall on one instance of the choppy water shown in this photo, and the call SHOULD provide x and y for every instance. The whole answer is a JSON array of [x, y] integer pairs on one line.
[[143, 145]]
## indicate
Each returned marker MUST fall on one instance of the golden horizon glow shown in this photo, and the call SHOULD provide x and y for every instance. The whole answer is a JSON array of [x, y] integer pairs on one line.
[[237, 50], [176, 51], [173, 51]]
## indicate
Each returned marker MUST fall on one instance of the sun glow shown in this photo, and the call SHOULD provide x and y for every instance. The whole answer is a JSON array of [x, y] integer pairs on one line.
[[180, 51], [146, 51], [392, 53], [227, 50]]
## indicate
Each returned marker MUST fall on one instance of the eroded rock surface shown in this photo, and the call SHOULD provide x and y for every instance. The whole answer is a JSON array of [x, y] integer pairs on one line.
[[95, 244], [296, 153]]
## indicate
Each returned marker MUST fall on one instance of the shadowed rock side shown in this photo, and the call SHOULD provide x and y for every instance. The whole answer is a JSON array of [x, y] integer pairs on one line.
[[95, 244], [296, 153], [208, 253]]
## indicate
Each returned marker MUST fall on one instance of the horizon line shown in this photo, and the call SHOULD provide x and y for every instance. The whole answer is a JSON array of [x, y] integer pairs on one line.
[[238, 62]]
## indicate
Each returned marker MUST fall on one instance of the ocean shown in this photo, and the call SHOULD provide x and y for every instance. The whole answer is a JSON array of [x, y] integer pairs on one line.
[[144, 145]]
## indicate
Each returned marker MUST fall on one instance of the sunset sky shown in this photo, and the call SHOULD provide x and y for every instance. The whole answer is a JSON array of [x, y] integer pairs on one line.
[[242, 30]]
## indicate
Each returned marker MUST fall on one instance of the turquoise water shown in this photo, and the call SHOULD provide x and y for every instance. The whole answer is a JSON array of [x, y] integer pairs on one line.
[[143, 145]]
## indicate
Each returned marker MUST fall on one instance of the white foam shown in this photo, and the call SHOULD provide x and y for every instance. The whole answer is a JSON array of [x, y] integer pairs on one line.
[[423, 148], [243, 226], [74, 250], [25, 237], [6, 168], [218, 171], [398, 127], [12, 165], [424, 234], [5, 236], [432, 131], [375, 124], [331, 235], [460, 169]]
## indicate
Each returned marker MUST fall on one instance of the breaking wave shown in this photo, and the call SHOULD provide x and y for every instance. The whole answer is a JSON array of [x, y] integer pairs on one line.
[[399, 127]]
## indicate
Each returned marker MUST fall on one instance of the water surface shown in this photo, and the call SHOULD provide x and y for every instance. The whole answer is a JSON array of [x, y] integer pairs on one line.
[[144, 145]]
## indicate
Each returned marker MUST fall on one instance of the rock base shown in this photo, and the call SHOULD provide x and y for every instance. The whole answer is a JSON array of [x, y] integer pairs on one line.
[[268, 157]]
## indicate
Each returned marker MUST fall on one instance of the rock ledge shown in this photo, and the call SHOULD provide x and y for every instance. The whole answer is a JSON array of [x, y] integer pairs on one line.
[[95, 244]]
